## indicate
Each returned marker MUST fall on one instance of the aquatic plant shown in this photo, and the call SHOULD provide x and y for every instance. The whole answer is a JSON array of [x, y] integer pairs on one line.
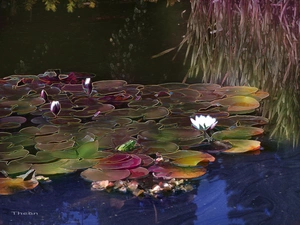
[[119, 134], [249, 43]]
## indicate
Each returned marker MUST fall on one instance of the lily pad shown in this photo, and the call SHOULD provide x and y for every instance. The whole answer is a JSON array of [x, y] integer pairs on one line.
[[14, 167], [238, 104], [237, 133], [138, 173], [168, 171], [99, 175], [24, 182], [170, 134], [241, 146], [189, 158], [153, 147], [113, 162], [52, 168]]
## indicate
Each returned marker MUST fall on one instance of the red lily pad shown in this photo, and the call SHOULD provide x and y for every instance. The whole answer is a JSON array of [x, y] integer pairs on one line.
[[138, 173], [146, 160], [114, 163], [110, 175]]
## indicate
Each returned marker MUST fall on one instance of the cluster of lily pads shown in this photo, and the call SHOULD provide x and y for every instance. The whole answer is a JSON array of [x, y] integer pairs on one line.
[[120, 136]]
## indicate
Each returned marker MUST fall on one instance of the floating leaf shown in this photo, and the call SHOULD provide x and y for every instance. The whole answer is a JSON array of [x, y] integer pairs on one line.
[[153, 147], [114, 163], [168, 171], [138, 173], [170, 134], [24, 182], [237, 90], [241, 146], [237, 133], [189, 158], [52, 168], [238, 104], [55, 146], [14, 167], [110, 175]]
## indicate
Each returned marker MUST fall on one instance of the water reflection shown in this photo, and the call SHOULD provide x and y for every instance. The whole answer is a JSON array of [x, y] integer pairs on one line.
[[238, 189]]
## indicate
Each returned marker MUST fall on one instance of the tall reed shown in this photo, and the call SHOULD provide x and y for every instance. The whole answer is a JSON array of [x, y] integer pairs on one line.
[[250, 42]]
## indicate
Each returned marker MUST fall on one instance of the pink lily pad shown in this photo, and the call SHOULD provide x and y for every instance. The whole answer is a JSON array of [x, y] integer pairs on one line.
[[138, 173], [99, 175], [131, 161]]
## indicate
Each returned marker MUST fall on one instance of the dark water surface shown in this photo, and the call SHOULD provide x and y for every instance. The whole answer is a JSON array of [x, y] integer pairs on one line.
[[80, 41], [238, 189]]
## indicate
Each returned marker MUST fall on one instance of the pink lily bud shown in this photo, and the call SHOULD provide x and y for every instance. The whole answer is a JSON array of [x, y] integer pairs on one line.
[[44, 95], [87, 86], [55, 107]]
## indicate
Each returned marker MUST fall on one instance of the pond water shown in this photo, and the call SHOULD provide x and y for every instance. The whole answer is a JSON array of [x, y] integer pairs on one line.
[[237, 189]]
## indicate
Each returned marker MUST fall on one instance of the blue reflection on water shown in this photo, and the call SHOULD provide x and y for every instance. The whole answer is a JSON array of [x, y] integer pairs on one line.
[[246, 189], [211, 201]]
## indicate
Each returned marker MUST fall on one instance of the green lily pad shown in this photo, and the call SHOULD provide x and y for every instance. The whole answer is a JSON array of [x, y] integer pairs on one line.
[[237, 90], [153, 147], [14, 167], [170, 134], [6, 156], [237, 133], [189, 158], [76, 164], [52, 168], [55, 146]]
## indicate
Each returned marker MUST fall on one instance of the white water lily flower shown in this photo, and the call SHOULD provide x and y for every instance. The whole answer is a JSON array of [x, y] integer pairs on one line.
[[204, 122]]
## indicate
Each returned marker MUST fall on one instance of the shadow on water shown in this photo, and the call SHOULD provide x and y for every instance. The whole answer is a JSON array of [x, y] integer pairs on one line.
[[238, 189], [81, 41]]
